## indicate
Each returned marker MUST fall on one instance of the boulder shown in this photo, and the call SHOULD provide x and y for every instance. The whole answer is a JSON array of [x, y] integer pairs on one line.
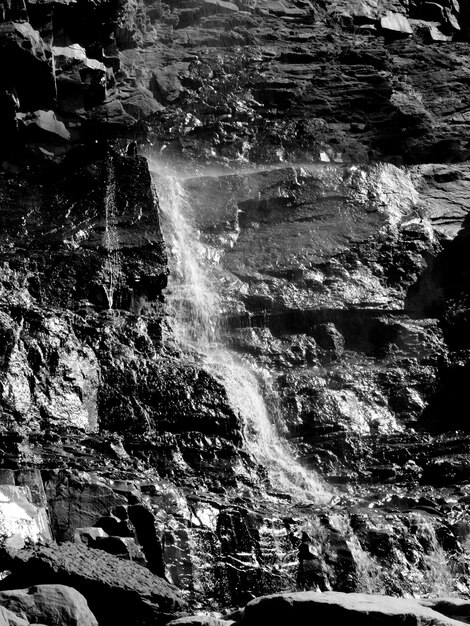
[[354, 609], [7, 618], [117, 591], [54, 605]]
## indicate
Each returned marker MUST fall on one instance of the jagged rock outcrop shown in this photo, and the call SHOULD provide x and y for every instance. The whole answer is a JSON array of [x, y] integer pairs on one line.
[[352, 81]]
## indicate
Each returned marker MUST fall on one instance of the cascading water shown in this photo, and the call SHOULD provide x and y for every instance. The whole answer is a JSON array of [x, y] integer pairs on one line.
[[195, 312], [111, 242], [191, 299]]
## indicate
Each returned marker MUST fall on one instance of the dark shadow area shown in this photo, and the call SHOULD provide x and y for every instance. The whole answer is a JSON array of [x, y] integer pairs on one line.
[[443, 291]]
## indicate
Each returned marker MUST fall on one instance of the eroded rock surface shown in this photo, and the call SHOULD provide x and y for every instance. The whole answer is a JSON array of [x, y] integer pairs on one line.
[[54, 605], [341, 280]]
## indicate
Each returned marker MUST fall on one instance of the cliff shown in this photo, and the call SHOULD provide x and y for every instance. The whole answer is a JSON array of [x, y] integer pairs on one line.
[[234, 302]]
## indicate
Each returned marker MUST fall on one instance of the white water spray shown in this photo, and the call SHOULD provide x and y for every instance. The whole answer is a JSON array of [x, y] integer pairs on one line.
[[111, 242], [195, 312]]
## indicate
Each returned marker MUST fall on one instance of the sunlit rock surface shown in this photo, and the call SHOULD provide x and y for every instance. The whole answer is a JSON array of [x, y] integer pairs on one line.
[[21, 520], [314, 434], [356, 608]]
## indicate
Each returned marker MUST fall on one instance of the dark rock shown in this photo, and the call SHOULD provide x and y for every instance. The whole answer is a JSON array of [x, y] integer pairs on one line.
[[43, 126], [75, 503], [144, 523], [81, 82]]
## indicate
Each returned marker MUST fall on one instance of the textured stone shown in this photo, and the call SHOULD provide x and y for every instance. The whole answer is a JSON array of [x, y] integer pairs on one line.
[[7, 618], [456, 608], [74, 502], [354, 608], [55, 605], [114, 589]]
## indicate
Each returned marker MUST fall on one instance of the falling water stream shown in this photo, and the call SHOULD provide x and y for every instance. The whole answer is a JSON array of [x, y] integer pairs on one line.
[[194, 305], [111, 241]]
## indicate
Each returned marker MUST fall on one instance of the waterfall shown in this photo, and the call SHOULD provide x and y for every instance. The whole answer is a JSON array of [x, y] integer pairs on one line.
[[195, 316], [111, 265], [192, 301]]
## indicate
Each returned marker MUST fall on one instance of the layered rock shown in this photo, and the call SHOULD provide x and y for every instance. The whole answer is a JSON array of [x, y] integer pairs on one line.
[[342, 287]]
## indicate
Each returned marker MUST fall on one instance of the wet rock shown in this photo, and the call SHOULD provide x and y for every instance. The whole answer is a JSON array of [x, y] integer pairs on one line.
[[55, 605], [112, 115]]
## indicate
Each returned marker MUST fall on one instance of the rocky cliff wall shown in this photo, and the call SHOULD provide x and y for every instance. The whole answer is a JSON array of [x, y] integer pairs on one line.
[[342, 279]]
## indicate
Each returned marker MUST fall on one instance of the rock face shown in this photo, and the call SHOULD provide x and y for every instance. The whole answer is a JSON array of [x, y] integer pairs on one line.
[[315, 229]]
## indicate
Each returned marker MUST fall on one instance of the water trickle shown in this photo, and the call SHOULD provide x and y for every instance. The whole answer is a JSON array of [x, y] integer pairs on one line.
[[111, 242], [194, 308]]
